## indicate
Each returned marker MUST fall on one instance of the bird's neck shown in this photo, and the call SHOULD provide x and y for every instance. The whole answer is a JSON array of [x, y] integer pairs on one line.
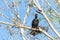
[[35, 17]]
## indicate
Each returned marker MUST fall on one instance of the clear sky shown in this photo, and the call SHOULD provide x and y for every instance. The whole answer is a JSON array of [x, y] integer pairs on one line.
[[4, 32]]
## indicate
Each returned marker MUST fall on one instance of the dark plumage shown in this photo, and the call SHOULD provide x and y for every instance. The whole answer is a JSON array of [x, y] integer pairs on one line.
[[35, 23]]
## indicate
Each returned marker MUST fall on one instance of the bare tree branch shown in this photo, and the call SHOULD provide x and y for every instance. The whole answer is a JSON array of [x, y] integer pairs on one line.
[[6, 23], [25, 27], [51, 26], [25, 17], [16, 13]]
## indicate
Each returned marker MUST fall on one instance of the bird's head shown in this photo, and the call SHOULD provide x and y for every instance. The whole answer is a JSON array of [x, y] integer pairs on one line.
[[36, 15]]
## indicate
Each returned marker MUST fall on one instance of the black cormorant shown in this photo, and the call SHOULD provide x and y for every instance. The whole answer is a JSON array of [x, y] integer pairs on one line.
[[35, 23]]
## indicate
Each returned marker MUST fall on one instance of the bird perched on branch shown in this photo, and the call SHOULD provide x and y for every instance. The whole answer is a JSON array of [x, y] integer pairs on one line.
[[35, 23]]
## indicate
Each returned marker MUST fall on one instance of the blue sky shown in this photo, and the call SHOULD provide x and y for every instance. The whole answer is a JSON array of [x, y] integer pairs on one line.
[[4, 32]]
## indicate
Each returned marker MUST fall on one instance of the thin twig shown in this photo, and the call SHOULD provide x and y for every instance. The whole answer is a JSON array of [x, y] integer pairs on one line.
[[3, 15], [6, 23], [5, 2], [15, 11]]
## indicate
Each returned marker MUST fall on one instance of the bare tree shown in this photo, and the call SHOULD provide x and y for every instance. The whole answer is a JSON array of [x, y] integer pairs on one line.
[[17, 16]]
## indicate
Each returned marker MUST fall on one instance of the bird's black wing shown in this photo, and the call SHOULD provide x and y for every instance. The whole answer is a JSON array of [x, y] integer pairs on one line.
[[35, 23]]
